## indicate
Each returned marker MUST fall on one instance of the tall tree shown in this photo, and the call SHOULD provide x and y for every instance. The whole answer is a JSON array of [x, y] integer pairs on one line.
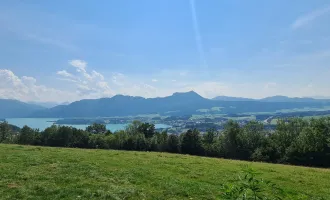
[[192, 143], [47, 136], [147, 129], [251, 136], [27, 136], [210, 146], [4, 131], [230, 139], [173, 144], [287, 130], [79, 138], [311, 147], [96, 128], [133, 128]]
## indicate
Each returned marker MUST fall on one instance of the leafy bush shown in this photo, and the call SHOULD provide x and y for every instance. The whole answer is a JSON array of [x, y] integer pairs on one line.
[[249, 187]]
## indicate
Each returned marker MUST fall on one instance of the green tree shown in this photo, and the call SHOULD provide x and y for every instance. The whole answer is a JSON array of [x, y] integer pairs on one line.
[[79, 138], [96, 128], [27, 136], [311, 147], [162, 141], [58, 136], [120, 139], [110, 141], [97, 141], [147, 129], [173, 144], [47, 136], [140, 142], [210, 145], [230, 139], [153, 143], [210, 136], [287, 130], [133, 128], [251, 136], [63, 136], [192, 143], [4, 131], [158, 142]]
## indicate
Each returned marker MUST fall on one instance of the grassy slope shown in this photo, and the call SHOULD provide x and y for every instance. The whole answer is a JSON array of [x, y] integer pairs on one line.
[[28, 172]]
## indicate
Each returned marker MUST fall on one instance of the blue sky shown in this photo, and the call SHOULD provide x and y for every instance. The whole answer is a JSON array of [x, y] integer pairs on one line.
[[69, 50]]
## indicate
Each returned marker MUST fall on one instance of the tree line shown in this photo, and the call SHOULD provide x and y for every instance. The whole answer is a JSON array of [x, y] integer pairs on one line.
[[294, 141]]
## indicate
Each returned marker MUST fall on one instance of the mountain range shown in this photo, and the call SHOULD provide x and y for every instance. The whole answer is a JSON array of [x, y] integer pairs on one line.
[[10, 108], [277, 98], [176, 104], [227, 98]]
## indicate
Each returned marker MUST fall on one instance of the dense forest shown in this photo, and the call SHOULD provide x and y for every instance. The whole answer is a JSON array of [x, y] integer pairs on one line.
[[294, 141]]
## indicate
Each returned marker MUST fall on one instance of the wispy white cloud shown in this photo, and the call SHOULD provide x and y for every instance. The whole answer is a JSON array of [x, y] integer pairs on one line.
[[310, 17], [154, 80], [183, 73], [270, 85], [64, 73], [49, 41], [118, 79], [68, 80], [96, 74], [88, 84], [29, 80], [79, 64]]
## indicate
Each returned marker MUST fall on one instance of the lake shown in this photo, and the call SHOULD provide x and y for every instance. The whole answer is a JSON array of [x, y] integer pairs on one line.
[[43, 123]]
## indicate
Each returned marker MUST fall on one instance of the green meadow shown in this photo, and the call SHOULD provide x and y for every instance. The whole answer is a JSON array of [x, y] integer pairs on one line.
[[32, 172]]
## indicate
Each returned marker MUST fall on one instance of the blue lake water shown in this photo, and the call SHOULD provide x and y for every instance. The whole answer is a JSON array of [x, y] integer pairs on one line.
[[43, 123]]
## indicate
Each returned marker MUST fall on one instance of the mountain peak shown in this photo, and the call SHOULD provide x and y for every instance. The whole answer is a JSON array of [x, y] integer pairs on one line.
[[187, 94], [280, 98], [118, 96], [121, 96], [228, 98]]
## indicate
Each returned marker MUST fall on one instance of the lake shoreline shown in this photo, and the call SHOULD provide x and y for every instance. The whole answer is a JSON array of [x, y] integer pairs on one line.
[[43, 123]]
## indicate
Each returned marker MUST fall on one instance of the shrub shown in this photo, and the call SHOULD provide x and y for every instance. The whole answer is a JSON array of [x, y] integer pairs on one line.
[[249, 187]]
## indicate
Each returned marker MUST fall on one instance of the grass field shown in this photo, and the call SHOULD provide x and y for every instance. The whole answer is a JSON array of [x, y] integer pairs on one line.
[[28, 172]]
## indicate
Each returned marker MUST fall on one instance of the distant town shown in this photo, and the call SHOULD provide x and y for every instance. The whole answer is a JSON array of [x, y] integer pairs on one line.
[[176, 124]]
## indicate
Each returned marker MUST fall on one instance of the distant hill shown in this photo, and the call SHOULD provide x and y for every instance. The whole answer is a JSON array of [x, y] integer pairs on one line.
[[319, 97], [121, 105], [279, 98], [48, 104], [178, 104], [227, 98], [10, 108]]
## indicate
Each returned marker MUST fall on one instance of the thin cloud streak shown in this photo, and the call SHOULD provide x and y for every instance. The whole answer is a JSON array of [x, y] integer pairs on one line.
[[309, 17], [198, 37], [51, 41]]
